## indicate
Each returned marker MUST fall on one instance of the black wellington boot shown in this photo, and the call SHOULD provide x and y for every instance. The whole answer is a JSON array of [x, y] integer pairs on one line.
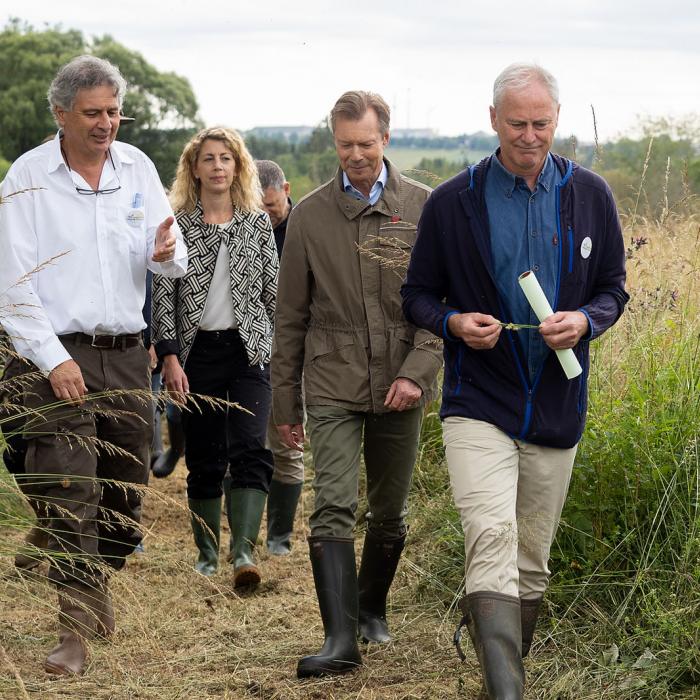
[[335, 577], [282, 502], [493, 621], [529, 612], [157, 439], [379, 561], [165, 464]]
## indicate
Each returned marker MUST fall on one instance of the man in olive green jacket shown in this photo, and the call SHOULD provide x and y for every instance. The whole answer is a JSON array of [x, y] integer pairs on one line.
[[368, 373]]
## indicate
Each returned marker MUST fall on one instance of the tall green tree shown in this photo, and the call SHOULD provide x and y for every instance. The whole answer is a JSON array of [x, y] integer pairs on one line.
[[28, 62], [163, 103]]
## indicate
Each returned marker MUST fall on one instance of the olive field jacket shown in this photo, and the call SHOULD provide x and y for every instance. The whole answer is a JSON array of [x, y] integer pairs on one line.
[[339, 320]]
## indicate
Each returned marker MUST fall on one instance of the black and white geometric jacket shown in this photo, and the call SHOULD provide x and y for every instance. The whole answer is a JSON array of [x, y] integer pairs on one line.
[[178, 304]]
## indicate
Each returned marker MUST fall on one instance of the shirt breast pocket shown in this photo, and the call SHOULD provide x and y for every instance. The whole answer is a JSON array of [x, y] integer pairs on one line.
[[128, 228]]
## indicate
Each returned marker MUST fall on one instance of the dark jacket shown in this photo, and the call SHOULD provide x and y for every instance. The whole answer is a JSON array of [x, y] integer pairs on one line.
[[451, 271], [280, 230]]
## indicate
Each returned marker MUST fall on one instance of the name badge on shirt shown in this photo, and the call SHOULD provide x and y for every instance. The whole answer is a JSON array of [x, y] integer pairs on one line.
[[135, 218]]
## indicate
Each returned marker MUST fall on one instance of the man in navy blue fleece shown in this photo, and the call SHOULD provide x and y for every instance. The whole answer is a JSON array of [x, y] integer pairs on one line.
[[511, 418]]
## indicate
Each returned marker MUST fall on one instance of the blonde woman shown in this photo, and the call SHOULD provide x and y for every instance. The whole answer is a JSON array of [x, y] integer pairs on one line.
[[213, 329]]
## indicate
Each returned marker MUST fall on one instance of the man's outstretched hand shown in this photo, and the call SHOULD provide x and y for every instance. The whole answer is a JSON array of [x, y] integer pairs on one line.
[[164, 248]]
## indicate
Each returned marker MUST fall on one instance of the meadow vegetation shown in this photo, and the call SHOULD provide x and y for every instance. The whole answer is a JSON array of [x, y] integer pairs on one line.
[[622, 616]]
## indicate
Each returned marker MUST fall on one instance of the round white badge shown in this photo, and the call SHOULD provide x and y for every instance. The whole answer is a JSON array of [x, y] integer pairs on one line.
[[135, 218], [586, 247]]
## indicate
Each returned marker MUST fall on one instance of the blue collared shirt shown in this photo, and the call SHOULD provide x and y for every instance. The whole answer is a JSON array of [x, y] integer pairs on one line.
[[377, 188], [523, 227]]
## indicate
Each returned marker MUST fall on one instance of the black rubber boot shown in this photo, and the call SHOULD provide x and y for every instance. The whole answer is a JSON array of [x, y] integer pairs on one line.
[[335, 577], [529, 612], [379, 561], [165, 464], [493, 621], [281, 508], [157, 440]]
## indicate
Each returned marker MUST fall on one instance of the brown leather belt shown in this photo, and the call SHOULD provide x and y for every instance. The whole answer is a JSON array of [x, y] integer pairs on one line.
[[104, 342]]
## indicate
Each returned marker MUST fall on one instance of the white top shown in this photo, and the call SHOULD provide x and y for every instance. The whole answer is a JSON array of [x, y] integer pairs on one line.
[[218, 314], [105, 243]]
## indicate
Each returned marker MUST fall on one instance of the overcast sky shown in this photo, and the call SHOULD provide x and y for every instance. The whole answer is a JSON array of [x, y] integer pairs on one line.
[[284, 63]]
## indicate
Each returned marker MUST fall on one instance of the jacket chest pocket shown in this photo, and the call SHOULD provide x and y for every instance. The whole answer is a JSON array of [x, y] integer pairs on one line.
[[392, 247]]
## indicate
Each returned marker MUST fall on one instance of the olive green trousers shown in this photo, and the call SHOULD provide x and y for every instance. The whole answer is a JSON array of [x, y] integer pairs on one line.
[[389, 444]]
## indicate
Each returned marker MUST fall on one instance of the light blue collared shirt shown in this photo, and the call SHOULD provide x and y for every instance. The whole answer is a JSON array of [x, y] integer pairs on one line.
[[377, 188], [524, 237]]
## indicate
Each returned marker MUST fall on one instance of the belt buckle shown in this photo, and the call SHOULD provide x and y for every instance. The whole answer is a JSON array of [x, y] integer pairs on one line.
[[102, 345]]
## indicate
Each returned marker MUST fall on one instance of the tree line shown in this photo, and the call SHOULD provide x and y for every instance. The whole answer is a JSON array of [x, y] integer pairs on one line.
[[647, 173]]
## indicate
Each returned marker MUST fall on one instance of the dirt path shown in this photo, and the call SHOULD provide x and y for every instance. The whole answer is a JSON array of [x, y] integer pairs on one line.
[[181, 635]]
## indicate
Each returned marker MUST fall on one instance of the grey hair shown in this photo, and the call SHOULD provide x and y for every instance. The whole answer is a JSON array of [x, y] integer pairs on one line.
[[270, 175], [519, 75], [84, 73]]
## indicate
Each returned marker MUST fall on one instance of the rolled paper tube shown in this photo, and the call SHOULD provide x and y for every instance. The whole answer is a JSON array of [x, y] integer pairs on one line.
[[538, 301]]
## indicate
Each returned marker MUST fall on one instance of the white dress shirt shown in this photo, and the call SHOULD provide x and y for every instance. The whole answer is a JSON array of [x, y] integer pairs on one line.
[[73, 262]]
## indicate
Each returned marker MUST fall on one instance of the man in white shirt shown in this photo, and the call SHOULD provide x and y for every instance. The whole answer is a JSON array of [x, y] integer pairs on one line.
[[89, 217]]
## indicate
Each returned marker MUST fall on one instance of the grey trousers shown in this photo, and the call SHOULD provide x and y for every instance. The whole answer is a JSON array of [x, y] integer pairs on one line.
[[509, 495], [389, 444]]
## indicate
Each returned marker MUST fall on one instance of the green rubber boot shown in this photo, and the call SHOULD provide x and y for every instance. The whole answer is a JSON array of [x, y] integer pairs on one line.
[[206, 523], [245, 509]]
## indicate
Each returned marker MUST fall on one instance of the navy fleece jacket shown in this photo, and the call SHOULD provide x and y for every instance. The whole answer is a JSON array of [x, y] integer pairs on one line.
[[451, 271]]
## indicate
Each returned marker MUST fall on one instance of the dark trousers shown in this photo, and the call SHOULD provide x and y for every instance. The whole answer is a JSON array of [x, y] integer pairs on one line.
[[226, 438], [84, 487]]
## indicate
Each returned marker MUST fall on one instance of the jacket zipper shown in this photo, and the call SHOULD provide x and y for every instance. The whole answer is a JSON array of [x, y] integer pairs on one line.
[[570, 233]]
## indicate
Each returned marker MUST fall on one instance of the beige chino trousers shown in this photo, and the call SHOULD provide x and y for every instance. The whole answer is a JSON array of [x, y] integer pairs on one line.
[[509, 495], [289, 463]]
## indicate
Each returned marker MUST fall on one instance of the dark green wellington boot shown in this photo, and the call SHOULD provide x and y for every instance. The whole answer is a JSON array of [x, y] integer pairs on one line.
[[529, 612], [206, 525], [281, 508], [493, 621], [379, 561], [335, 578], [245, 509]]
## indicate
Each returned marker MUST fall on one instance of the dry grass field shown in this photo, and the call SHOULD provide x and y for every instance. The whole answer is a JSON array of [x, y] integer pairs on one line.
[[181, 635]]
